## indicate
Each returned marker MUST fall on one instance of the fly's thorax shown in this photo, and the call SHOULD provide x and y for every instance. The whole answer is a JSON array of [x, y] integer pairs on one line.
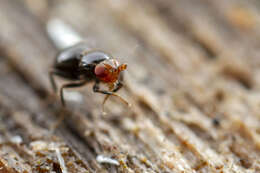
[[93, 57]]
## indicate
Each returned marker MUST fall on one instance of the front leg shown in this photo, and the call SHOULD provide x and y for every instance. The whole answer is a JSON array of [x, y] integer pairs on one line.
[[97, 89], [118, 87], [109, 93]]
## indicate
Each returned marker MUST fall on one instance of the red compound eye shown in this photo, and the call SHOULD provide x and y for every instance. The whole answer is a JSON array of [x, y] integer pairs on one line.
[[100, 71]]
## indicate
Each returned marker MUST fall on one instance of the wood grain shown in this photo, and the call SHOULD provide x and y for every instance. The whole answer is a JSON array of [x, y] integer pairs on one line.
[[192, 78]]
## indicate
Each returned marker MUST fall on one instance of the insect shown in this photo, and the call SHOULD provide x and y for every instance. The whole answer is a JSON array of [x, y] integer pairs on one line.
[[81, 66]]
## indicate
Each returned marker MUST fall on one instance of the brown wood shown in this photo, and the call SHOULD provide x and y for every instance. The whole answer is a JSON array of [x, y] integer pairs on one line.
[[192, 80]]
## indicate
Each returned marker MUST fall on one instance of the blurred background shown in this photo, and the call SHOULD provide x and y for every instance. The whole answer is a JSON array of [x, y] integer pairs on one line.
[[192, 79]]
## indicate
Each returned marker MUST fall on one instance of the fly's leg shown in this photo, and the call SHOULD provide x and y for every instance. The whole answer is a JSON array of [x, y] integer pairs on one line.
[[103, 104], [55, 72], [62, 113], [69, 85], [109, 93], [118, 87], [53, 83]]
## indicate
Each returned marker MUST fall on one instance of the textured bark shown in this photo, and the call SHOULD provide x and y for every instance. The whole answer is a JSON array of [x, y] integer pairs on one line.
[[192, 79]]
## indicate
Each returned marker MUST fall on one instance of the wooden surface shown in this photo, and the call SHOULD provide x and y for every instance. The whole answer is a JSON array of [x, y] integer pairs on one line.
[[192, 79]]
